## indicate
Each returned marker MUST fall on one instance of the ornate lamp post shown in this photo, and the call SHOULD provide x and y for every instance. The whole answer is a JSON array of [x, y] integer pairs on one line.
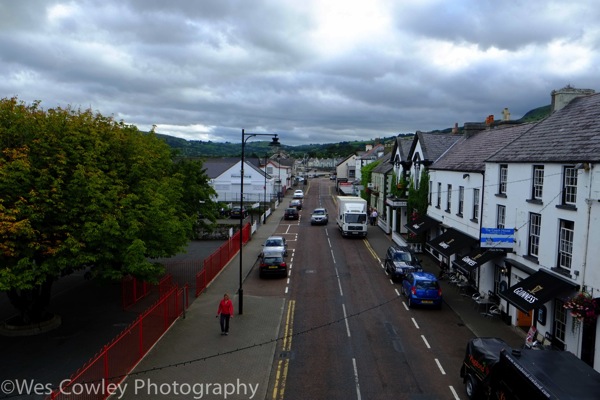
[[265, 192], [245, 137]]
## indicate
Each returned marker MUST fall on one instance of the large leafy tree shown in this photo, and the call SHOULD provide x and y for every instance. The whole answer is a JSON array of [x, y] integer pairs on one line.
[[81, 190]]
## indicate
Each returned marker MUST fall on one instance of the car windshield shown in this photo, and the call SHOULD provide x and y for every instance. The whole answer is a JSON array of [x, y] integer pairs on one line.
[[356, 218], [273, 242], [273, 260], [427, 285], [402, 257], [319, 212]]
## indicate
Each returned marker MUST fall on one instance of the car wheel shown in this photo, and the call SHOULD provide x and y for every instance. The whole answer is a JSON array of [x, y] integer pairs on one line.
[[471, 387]]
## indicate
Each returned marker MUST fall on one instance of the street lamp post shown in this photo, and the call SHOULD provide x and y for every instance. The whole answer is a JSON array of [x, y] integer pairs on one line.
[[279, 193], [245, 137], [265, 192]]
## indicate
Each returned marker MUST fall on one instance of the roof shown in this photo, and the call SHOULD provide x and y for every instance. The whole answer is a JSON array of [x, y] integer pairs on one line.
[[469, 152], [571, 134], [385, 166], [401, 149], [434, 144], [215, 167]]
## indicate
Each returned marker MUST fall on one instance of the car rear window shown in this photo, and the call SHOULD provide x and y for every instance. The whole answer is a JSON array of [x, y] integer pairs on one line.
[[273, 260], [427, 285]]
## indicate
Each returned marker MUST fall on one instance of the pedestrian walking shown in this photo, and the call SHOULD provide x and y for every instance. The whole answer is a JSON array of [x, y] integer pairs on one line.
[[374, 217], [226, 312]]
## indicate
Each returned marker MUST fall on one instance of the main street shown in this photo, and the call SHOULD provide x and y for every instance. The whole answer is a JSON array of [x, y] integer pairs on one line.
[[348, 333]]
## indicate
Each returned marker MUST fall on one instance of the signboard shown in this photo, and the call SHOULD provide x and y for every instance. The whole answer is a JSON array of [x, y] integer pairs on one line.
[[498, 238], [396, 203]]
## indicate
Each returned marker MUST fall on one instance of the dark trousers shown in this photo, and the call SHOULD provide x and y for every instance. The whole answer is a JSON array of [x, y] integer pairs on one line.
[[225, 322]]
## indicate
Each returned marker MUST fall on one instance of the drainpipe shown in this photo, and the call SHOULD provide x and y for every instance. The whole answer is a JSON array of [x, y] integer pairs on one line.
[[481, 222], [588, 202]]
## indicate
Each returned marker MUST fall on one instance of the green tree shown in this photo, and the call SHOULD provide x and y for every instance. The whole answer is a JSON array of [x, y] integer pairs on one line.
[[365, 177], [80, 190], [418, 197]]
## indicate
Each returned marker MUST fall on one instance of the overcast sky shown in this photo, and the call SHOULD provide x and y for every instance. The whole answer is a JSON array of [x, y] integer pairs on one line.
[[313, 71]]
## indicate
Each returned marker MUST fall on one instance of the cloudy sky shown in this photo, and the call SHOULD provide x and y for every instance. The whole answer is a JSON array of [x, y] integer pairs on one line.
[[313, 71]]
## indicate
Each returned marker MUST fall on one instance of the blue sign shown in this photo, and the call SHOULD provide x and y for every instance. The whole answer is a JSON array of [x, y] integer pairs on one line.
[[497, 238]]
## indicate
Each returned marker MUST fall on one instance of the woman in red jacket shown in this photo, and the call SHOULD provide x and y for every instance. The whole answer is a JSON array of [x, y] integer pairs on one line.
[[226, 312]]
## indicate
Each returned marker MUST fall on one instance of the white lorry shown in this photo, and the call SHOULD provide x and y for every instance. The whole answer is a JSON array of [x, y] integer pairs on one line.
[[352, 216]]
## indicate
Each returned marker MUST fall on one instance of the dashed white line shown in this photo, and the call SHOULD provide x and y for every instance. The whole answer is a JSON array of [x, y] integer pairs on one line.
[[415, 322], [426, 342], [340, 286], [356, 379], [397, 292], [454, 392], [346, 320], [440, 366]]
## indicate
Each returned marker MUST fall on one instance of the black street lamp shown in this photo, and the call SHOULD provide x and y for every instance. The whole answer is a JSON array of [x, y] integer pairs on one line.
[[245, 137], [265, 192]]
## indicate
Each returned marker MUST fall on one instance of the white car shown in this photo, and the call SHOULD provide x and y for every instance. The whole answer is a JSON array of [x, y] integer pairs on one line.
[[275, 243], [298, 194]]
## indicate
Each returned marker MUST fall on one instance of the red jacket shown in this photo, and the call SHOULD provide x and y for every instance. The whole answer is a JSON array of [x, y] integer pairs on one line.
[[225, 307]]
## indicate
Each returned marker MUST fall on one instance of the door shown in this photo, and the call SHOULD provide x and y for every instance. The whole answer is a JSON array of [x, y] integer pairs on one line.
[[588, 343], [524, 320]]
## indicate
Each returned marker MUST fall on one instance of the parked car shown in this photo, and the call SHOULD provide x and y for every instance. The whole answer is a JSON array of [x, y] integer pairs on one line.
[[298, 194], [422, 288], [275, 243], [291, 213], [272, 263], [332, 177], [296, 204], [400, 260], [319, 217], [237, 212]]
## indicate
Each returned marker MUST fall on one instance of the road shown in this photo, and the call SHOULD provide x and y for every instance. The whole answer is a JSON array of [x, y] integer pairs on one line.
[[348, 332]]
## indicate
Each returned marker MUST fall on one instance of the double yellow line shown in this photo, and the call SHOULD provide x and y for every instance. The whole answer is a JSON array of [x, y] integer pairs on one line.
[[283, 364]]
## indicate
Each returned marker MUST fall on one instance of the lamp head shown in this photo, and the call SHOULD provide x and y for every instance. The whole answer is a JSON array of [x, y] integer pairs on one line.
[[275, 141]]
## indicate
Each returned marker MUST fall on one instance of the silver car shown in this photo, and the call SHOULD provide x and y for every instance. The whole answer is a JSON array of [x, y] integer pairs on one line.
[[319, 217], [275, 244]]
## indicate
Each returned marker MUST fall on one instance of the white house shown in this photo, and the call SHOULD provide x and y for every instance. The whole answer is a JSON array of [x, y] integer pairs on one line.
[[225, 178], [546, 186]]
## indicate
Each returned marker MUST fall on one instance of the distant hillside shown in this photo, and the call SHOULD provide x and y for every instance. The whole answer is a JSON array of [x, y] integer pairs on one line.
[[197, 148]]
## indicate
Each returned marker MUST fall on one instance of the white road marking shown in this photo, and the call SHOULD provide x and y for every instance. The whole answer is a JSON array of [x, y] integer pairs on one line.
[[415, 322], [346, 320], [356, 379], [440, 366], [426, 342]]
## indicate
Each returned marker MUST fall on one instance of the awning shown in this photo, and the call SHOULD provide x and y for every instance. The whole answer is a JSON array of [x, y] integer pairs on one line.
[[536, 290], [452, 241], [421, 224], [477, 258]]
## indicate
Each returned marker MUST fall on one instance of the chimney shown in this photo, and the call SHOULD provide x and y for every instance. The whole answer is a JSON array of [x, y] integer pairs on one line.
[[368, 147], [505, 114], [562, 97], [471, 128], [455, 129]]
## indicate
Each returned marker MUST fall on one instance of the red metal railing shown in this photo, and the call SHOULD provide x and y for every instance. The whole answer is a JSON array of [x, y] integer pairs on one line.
[[214, 263], [113, 363]]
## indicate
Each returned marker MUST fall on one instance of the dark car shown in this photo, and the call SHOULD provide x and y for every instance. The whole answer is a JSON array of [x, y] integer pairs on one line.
[[291, 213], [422, 288], [296, 204], [272, 263], [237, 212], [400, 260]]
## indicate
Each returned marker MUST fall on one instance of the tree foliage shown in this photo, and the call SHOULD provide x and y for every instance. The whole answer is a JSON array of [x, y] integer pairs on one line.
[[79, 190]]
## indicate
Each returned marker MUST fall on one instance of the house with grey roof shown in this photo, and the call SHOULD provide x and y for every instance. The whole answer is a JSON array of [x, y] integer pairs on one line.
[[379, 189], [544, 186], [225, 177]]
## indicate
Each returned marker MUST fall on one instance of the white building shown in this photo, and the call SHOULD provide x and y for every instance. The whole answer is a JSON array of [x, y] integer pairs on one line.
[[225, 178]]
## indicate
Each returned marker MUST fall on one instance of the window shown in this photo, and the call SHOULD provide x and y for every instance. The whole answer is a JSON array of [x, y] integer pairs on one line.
[[560, 322], [502, 180], [270, 170], [449, 199], [430, 193], [417, 174], [538, 182], [535, 224], [439, 195], [500, 217], [570, 186], [565, 245], [475, 204], [461, 200]]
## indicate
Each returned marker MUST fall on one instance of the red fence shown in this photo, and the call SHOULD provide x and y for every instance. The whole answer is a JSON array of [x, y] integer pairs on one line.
[[116, 359], [112, 364], [214, 263]]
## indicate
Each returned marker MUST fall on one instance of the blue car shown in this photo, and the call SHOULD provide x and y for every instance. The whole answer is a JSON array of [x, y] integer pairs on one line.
[[422, 288]]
